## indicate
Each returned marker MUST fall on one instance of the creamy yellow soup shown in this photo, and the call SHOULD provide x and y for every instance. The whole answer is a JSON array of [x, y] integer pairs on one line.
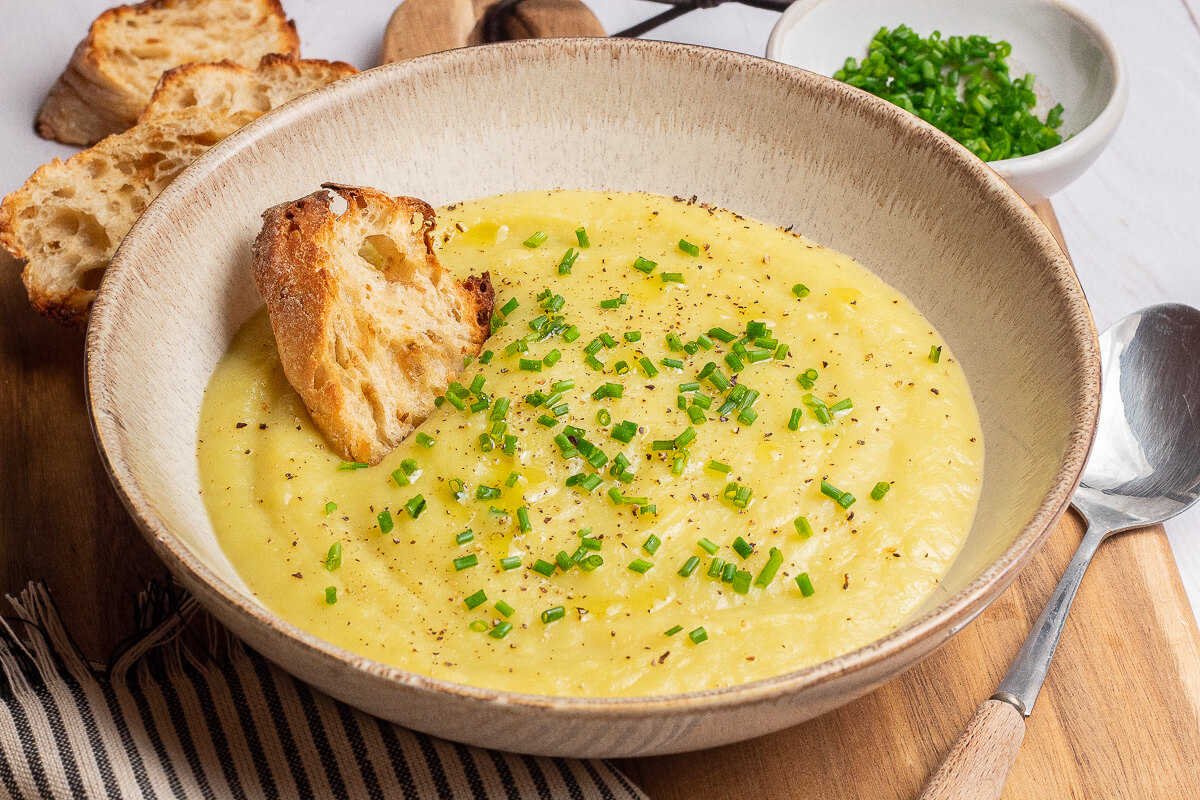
[[637, 606]]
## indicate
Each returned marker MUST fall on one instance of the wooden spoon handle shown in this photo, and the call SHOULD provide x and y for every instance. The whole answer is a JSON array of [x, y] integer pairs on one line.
[[978, 764]]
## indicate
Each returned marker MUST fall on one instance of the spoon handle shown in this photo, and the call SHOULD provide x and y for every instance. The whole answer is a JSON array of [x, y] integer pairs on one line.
[[1023, 681], [978, 764]]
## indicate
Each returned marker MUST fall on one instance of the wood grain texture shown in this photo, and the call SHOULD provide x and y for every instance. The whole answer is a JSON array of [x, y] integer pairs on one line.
[[977, 766]]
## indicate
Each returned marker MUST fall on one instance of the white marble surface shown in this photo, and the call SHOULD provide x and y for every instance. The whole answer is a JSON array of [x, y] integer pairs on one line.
[[1132, 222]]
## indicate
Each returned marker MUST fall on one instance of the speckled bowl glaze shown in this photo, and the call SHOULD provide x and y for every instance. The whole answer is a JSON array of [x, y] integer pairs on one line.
[[767, 140]]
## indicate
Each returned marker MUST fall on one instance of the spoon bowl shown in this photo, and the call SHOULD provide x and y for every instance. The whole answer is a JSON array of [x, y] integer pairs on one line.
[[1145, 462], [1144, 469]]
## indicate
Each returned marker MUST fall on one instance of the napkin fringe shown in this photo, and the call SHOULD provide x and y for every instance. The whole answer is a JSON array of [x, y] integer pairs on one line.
[[184, 710]]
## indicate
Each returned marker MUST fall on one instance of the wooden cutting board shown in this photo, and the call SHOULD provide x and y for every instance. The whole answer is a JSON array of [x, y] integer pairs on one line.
[[1120, 716]]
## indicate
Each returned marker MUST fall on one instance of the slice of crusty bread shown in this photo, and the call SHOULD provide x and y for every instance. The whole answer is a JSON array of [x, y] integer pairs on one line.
[[370, 329], [229, 87], [113, 71], [69, 217]]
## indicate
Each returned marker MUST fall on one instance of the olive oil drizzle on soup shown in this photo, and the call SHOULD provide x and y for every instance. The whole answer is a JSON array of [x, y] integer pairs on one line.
[[618, 518]]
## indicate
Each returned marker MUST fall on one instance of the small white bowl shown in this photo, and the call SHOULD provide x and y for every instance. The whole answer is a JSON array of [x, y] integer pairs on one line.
[[1075, 62]]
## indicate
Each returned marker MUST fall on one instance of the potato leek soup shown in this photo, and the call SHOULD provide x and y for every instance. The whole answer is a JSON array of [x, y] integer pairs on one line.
[[696, 451]]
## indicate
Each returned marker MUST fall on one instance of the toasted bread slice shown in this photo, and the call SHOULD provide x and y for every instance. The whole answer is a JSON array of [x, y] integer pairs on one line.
[[370, 329], [113, 71], [229, 87], [69, 217]]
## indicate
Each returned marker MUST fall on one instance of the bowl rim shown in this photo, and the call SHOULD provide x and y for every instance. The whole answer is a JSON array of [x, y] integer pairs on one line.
[[104, 332], [1086, 140]]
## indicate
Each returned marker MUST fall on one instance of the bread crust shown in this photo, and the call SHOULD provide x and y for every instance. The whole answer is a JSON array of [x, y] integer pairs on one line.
[[257, 89], [64, 263], [91, 99], [336, 320]]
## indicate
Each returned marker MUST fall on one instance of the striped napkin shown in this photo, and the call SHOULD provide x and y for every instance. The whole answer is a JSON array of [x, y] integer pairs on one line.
[[186, 711]]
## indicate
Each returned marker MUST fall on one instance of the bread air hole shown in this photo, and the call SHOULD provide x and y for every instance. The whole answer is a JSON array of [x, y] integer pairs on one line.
[[382, 253]]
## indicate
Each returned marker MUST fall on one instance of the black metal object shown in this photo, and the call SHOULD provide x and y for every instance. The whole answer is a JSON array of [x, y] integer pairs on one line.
[[496, 18]]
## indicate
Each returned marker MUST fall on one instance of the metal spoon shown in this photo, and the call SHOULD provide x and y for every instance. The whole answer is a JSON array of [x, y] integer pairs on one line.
[[1144, 468]]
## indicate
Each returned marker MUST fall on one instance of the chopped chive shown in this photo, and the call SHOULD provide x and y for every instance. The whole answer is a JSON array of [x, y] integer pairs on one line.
[[486, 492], [333, 558], [591, 562], [536, 240], [530, 364], [568, 261], [621, 367], [662, 444], [476, 600], [504, 608], [644, 265], [702, 401], [672, 631], [689, 567], [543, 567], [716, 568], [696, 415], [466, 536], [671, 277], [330, 595], [553, 614], [741, 581], [721, 335], [632, 336], [684, 439], [512, 479], [831, 491], [640, 566], [652, 544], [465, 562], [611, 303], [805, 584], [846, 500], [673, 363], [728, 572], [603, 416], [735, 364], [509, 307], [748, 416], [794, 419], [880, 490], [563, 560], [803, 527], [648, 367], [742, 547], [510, 562], [330, 507], [350, 466], [690, 386], [767, 574], [698, 635], [935, 354], [385, 521], [486, 357], [582, 237], [841, 405], [719, 381], [425, 440], [708, 546], [800, 290], [523, 519], [689, 248], [614, 494], [501, 630], [552, 358], [415, 507], [478, 625]]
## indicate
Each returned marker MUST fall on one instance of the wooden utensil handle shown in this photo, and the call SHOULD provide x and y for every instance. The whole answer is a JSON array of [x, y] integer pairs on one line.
[[978, 764]]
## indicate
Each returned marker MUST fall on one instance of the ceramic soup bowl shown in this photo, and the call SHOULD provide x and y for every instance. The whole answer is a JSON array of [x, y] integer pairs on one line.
[[761, 138]]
